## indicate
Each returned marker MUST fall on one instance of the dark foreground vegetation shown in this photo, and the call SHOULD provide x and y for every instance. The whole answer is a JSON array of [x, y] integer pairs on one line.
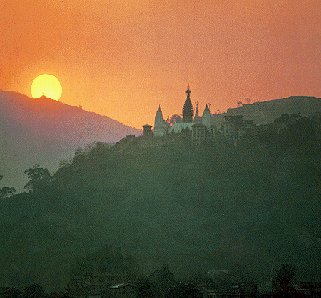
[[222, 214]]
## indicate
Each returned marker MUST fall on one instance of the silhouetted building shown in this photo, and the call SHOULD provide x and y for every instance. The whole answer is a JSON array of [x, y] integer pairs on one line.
[[197, 118], [160, 125], [147, 131], [188, 107], [200, 127]]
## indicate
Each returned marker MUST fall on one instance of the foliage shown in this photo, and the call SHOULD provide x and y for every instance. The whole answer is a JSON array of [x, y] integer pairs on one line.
[[145, 288], [7, 192], [103, 267], [209, 207], [158, 284], [108, 260], [183, 290], [39, 178], [283, 282], [33, 291]]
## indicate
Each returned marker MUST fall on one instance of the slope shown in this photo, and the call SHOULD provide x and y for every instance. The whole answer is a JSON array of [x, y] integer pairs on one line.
[[45, 131], [167, 200]]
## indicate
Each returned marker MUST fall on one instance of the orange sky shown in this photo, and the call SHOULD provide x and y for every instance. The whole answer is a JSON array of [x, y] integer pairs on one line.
[[121, 58]]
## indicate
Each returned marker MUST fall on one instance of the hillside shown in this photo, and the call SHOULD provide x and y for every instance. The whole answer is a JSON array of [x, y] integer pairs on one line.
[[197, 208], [264, 112], [45, 131]]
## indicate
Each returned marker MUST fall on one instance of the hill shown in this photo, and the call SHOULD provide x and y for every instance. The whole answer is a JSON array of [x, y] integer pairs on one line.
[[203, 208], [264, 112], [44, 131]]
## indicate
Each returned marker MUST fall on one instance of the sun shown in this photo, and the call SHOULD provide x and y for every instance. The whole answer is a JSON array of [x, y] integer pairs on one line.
[[46, 85]]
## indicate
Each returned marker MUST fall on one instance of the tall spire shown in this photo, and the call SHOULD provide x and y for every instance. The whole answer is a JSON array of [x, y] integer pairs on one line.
[[188, 107], [159, 120], [206, 118], [196, 110], [160, 126], [197, 118], [207, 109]]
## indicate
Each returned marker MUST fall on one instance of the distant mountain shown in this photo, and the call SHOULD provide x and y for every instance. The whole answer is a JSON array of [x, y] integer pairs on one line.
[[45, 131], [267, 111]]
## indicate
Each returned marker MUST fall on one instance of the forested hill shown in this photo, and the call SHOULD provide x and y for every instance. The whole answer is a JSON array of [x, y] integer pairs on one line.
[[195, 207], [263, 112], [45, 131]]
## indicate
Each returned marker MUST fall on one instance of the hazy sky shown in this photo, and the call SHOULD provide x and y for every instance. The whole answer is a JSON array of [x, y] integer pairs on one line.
[[122, 58]]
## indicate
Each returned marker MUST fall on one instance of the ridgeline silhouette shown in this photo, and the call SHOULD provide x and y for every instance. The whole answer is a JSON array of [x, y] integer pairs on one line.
[[44, 131], [198, 207]]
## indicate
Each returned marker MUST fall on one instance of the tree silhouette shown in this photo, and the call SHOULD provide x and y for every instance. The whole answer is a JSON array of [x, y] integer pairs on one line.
[[39, 178], [7, 192], [183, 290], [283, 281], [145, 288], [11, 293], [33, 291]]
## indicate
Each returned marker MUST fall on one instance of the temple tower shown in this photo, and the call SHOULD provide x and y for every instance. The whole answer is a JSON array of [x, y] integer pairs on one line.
[[206, 118], [197, 118], [147, 131], [188, 107], [159, 125]]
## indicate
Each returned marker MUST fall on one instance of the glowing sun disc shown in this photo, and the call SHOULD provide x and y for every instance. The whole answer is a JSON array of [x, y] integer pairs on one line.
[[46, 85]]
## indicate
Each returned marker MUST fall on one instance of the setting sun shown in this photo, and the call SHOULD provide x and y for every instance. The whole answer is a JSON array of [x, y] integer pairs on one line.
[[46, 85]]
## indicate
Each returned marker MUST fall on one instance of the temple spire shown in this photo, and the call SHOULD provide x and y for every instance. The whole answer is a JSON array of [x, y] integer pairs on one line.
[[159, 124], [188, 91], [206, 118], [188, 107], [196, 110]]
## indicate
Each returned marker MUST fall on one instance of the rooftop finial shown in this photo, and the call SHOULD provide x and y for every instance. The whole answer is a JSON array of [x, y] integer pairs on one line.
[[188, 91], [188, 107]]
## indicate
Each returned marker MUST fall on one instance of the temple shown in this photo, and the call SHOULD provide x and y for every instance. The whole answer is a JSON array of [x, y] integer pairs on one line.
[[199, 127]]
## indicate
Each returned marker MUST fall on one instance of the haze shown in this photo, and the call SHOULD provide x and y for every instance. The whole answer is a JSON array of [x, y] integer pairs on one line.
[[123, 58]]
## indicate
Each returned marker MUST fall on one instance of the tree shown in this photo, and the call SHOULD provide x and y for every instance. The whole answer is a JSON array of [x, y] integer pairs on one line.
[[145, 288], [163, 280], [7, 192], [34, 291], [183, 290], [107, 263], [283, 281], [39, 178], [12, 293]]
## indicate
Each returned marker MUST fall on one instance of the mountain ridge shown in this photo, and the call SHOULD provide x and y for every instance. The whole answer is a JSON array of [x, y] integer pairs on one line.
[[263, 112], [45, 131]]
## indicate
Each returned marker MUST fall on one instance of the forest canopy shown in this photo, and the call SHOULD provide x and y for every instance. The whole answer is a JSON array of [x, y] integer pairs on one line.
[[218, 205]]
